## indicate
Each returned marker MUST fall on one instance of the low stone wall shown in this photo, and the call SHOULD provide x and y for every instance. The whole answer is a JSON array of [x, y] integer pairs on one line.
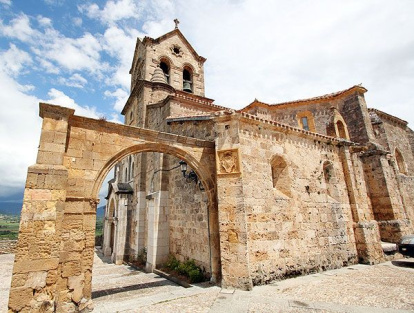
[[7, 246]]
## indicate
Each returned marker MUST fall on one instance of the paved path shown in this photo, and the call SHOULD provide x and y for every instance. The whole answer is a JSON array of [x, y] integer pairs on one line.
[[383, 288], [6, 266]]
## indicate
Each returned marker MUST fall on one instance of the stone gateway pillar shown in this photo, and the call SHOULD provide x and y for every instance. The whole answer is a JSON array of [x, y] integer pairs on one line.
[[36, 268], [231, 206]]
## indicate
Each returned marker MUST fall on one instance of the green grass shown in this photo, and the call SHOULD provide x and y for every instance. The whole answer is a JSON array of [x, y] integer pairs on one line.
[[9, 227], [99, 226]]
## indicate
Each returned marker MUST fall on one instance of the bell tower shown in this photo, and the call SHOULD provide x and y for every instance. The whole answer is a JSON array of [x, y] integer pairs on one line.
[[160, 68]]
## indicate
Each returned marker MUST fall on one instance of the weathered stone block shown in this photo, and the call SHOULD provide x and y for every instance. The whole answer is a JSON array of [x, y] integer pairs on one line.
[[36, 280], [19, 298], [71, 268]]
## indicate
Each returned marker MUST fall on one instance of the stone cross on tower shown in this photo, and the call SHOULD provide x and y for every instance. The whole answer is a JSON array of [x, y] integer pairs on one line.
[[176, 21]]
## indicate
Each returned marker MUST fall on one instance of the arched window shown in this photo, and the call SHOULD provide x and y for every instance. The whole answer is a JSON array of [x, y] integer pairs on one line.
[[400, 162], [187, 80], [330, 179], [166, 70], [341, 130], [111, 209], [337, 126], [280, 176]]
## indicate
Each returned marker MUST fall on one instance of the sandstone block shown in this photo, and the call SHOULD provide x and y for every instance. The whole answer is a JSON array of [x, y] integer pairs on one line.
[[36, 280], [26, 266], [19, 298], [51, 277], [71, 268], [19, 280], [46, 157]]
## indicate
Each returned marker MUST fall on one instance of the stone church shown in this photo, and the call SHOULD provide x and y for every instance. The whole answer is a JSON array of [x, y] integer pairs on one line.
[[302, 186]]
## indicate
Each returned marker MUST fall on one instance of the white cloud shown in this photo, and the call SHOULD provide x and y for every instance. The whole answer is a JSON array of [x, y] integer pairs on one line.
[[14, 60], [26, 88], [19, 123], [44, 21], [19, 28], [115, 118], [48, 66], [121, 97], [77, 21], [60, 98], [120, 44], [113, 11], [54, 2], [74, 54], [6, 2], [49, 45], [76, 80]]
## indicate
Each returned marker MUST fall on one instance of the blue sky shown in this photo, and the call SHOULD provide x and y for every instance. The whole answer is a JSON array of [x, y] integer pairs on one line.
[[78, 54]]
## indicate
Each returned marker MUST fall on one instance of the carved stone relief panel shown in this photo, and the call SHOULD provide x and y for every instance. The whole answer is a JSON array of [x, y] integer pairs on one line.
[[228, 162]]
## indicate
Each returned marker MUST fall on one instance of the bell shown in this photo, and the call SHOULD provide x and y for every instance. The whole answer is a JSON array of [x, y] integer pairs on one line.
[[187, 86]]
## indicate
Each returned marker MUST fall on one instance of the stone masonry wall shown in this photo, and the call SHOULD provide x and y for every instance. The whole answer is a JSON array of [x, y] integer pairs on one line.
[[398, 137], [188, 218], [352, 108], [386, 197], [320, 112], [354, 111], [377, 189], [304, 232], [407, 187], [380, 135]]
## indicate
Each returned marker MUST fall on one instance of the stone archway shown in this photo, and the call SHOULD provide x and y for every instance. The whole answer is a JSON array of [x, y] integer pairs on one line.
[[53, 262]]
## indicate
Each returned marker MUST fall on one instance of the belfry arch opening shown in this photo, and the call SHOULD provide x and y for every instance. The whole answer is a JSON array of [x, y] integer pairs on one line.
[[187, 80], [166, 70]]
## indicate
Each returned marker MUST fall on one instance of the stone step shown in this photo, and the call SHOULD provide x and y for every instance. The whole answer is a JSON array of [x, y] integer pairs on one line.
[[389, 247]]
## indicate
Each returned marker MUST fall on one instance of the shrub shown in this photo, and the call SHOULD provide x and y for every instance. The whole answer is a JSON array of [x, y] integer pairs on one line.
[[172, 263], [142, 256], [188, 269], [195, 275]]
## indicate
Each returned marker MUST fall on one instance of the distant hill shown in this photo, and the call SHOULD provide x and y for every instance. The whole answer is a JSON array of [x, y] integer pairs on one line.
[[14, 208], [10, 208], [100, 211]]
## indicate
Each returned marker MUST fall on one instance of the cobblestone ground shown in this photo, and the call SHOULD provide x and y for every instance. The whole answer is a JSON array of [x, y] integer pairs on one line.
[[383, 288]]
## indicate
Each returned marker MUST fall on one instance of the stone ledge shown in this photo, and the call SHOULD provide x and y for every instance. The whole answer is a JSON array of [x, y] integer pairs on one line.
[[172, 278]]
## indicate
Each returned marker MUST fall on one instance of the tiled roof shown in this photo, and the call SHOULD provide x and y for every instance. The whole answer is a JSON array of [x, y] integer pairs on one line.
[[190, 117], [387, 116], [303, 101], [124, 188], [198, 99], [296, 129]]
